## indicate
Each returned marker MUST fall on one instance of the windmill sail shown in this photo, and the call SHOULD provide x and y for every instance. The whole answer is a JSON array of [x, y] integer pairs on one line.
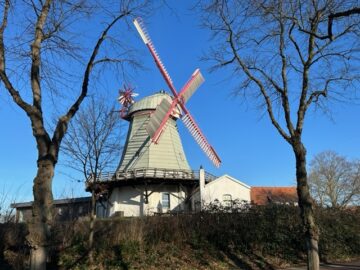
[[146, 38], [179, 99], [191, 86], [157, 117], [200, 139]]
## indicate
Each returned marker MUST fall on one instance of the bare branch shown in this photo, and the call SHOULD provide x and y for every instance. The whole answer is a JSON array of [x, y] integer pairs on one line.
[[36, 10], [92, 143], [284, 96], [330, 19], [35, 55], [332, 16], [314, 96], [3, 75], [328, 55], [111, 60], [305, 75], [255, 80], [296, 45], [5, 16], [267, 77], [62, 124]]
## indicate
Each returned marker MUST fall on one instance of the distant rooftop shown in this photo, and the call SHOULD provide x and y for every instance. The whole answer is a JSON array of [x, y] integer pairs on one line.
[[55, 202], [265, 195]]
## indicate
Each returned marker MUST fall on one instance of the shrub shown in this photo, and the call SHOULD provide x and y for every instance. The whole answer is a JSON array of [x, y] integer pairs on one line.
[[256, 236], [339, 233]]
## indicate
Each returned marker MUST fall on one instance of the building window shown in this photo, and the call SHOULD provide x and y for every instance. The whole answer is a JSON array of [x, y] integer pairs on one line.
[[100, 211], [21, 216], [165, 200], [227, 200]]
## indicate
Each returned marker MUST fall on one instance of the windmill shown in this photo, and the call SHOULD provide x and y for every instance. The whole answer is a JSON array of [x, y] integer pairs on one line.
[[165, 109]]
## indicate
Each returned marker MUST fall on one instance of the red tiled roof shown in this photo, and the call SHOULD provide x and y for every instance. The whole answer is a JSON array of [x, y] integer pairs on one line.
[[265, 195]]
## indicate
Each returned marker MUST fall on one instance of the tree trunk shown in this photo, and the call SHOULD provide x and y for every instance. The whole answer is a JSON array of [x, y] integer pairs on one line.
[[306, 207], [42, 215], [92, 225]]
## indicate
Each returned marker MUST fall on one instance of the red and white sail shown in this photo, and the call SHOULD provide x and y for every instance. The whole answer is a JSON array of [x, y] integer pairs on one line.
[[157, 122]]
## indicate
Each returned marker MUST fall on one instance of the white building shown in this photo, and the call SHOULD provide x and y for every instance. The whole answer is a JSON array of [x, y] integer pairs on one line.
[[224, 190]]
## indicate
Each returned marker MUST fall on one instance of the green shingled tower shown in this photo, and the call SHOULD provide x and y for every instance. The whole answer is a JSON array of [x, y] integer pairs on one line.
[[139, 152]]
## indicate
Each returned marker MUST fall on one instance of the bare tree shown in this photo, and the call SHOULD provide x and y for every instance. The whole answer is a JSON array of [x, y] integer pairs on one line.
[[45, 55], [92, 146], [6, 212], [276, 53], [334, 181]]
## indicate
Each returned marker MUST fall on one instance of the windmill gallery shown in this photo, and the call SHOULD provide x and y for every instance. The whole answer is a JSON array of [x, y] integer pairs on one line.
[[153, 176]]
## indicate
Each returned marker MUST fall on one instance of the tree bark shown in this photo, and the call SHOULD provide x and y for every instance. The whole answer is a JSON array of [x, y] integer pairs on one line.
[[42, 214], [91, 234], [306, 207]]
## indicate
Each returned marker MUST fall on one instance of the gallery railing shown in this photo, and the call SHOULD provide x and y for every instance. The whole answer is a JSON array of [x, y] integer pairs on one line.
[[151, 173]]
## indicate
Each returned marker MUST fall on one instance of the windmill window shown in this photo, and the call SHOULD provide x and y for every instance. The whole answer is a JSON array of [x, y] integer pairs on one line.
[[165, 200], [227, 200]]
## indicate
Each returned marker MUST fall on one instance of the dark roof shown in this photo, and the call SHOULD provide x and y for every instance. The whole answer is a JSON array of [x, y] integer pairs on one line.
[[265, 195], [55, 202]]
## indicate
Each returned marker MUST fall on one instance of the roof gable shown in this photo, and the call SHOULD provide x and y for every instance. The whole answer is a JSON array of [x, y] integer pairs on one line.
[[228, 177]]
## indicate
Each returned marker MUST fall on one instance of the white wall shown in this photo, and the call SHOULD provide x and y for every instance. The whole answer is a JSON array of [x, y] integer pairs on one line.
[[130, 200], [224, 185], [126, 199]]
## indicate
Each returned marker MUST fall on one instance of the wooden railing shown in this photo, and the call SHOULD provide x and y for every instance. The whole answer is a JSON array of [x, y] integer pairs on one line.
[[151, 173]]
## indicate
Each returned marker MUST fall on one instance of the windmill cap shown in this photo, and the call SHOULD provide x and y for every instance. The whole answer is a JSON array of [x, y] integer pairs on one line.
[[149, 102]]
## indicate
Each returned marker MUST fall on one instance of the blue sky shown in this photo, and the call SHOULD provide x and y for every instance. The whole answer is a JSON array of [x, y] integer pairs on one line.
[[249, 146]]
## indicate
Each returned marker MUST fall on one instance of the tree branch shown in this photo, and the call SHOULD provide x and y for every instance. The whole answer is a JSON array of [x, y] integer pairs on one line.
[[284, 96], [305, 77], [332, 16], [296, 45], [314, 96], [62, 124], [255, 80], [4, 77], [110, 60], [35, 55], [267, 77]]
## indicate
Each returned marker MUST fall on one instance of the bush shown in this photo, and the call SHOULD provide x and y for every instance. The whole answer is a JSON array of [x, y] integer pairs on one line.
[[339, 233], [14, 252], [258, 237]]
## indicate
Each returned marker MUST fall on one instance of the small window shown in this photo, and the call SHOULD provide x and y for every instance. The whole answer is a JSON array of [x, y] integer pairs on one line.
[[21, 216], [165, 201], [100, 211], [227, 200]]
